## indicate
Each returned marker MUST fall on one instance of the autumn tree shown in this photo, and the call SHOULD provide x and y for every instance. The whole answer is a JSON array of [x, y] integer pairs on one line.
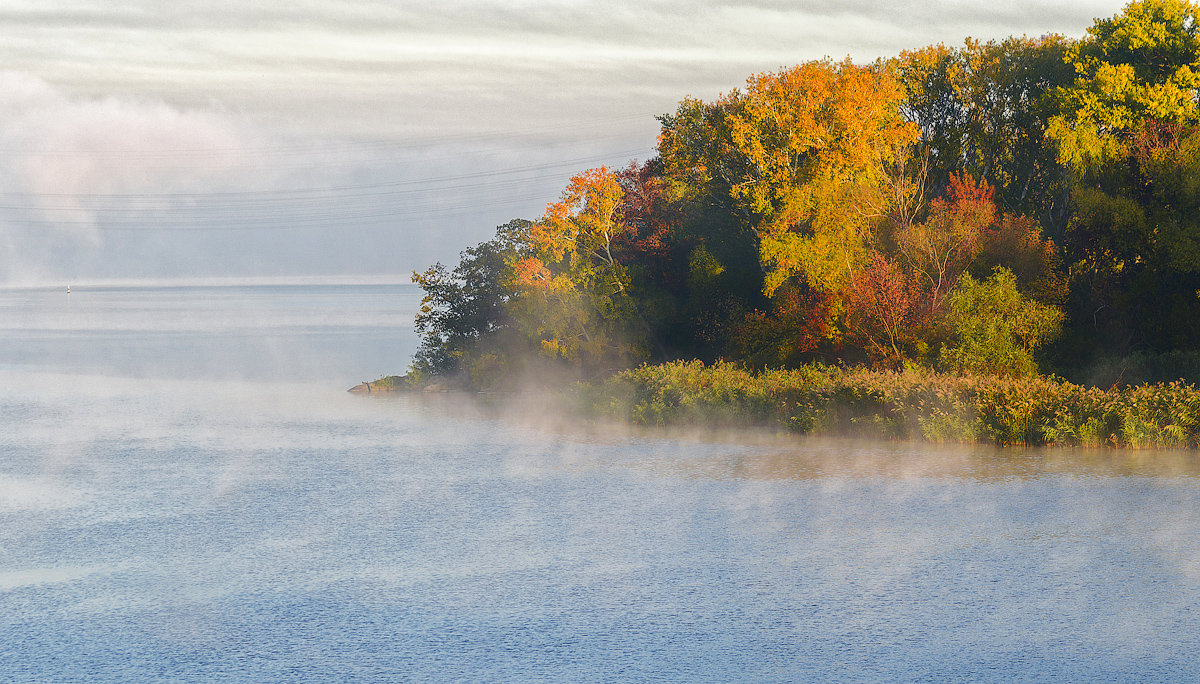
[[791, 158], [576, 292], [995, 329], [982, 110], [786, 181], [651, 222], [1128, 132], [940, 248], [889, 315]]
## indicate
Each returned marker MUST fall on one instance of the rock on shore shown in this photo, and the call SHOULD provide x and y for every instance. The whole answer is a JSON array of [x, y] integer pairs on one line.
[[396, 383]]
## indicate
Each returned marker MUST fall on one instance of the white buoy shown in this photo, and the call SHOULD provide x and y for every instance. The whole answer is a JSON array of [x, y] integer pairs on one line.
[[68, 289]]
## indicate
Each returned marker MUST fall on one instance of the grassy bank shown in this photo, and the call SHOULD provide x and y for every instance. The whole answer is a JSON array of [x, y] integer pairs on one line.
[[909, 405]]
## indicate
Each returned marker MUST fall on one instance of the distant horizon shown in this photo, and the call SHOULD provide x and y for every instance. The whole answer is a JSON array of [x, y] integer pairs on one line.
[[215, 281]]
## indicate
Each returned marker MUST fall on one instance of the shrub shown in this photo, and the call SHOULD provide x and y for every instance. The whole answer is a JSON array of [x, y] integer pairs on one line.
[[913, 404], [996, 328]]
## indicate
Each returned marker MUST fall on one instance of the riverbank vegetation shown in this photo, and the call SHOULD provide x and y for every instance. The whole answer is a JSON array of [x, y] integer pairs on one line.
[[904, 247], [916, 404]]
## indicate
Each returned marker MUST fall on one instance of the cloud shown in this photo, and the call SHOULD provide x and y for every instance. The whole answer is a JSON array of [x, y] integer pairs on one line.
[[126, 125], [66, 159], [401, 69], [73, 168], [120, 187]]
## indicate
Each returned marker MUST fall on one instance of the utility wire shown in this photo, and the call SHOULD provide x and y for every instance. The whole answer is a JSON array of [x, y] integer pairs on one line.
[[342, 146], [288, 193]]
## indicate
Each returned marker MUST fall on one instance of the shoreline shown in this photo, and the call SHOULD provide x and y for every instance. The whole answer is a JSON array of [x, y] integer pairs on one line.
[[396, 384], [920, 406]]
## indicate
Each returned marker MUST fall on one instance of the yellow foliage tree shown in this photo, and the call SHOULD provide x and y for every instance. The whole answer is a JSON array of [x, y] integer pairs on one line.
[[1141, 65], [801, 156]]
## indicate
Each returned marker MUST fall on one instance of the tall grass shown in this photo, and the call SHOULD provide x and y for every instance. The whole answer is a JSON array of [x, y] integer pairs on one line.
[[908, 405]]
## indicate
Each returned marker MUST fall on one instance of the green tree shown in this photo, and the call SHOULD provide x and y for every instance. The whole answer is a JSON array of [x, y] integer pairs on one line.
[[1141, 65], [464, 310], [1128, 132], [994, 328]]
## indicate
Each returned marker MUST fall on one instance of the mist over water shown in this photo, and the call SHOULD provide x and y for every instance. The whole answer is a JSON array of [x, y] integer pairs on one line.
[[187, 492], [277, 333]]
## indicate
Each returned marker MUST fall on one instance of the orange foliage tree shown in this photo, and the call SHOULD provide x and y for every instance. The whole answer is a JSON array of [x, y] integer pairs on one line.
[[939, 249], [794, 172], [800, 157], [575, 288]]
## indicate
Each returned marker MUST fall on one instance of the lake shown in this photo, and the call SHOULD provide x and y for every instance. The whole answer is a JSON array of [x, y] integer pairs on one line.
[[188, 493]]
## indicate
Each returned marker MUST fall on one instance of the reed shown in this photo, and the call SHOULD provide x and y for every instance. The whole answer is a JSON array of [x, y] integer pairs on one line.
[[915, 404]]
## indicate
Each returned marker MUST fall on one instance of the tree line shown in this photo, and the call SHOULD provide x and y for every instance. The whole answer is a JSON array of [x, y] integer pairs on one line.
[[1008, 208]]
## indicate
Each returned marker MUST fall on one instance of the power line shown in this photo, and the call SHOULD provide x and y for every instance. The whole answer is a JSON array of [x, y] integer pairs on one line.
[[286, 193], [327, 207], [340, 146], [308, 221]]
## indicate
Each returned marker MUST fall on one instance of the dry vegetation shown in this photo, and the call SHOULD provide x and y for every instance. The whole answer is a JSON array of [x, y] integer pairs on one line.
[[908, 405]]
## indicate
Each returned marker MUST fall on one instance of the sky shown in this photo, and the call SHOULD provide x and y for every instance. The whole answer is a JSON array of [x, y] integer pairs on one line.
[[317, 138]]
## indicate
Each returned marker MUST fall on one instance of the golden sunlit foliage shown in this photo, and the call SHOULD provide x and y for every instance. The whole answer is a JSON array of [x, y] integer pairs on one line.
[[800, 158], [1141, 65], [574, 290], [951, 207]]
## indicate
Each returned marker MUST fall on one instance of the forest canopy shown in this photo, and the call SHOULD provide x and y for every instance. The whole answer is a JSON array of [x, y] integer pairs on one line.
[[1010, 208]]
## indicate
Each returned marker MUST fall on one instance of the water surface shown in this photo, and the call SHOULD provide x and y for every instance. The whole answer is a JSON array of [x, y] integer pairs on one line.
[[188, 493]]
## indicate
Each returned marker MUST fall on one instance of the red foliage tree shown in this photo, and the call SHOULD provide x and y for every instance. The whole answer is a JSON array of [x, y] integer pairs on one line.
[[799, 320], [889, 315], [937, 251], [651, 222]]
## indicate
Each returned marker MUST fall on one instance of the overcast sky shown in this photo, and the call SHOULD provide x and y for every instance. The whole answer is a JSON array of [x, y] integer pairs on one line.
[[226, 138]]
